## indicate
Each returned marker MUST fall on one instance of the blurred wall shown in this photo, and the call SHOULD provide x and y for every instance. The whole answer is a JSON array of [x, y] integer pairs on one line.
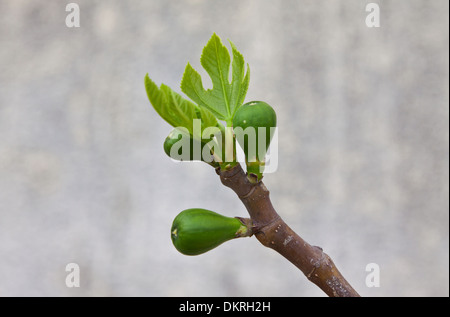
[[363, 154]]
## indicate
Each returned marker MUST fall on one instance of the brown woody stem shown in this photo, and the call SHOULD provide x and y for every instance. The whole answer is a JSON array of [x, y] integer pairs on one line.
[[274, 233]]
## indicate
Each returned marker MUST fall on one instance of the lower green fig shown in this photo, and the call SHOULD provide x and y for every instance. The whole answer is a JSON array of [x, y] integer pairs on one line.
[[196, 231]]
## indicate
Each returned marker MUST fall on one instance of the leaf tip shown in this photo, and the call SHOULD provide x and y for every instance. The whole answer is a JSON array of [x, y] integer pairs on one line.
[[187, 69], [232, 45]]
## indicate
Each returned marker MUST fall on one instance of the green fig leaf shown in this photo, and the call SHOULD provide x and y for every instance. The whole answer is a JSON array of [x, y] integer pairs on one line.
[[176, 110], [224, 98]]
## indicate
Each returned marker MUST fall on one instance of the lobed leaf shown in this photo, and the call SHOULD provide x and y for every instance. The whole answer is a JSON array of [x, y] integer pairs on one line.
[[176, 110], [224, 98]]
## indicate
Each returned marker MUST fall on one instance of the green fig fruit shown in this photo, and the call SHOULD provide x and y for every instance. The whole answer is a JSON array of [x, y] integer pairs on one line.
[[196, 231], [254, 119], [186, 143]]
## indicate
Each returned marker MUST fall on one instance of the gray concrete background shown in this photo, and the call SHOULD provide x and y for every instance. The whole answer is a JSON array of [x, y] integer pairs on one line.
[[364, 145]]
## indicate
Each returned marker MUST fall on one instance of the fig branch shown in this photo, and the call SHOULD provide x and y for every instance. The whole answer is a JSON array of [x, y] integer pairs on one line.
[[274, 233], [199, 135]]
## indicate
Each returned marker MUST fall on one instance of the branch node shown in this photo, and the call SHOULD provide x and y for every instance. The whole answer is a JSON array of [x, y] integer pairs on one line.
[[248, 194], [315, 246]]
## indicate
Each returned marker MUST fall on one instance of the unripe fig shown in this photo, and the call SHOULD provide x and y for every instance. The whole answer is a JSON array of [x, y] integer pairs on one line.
[[176, 136], [196, 231], [259, 117]]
